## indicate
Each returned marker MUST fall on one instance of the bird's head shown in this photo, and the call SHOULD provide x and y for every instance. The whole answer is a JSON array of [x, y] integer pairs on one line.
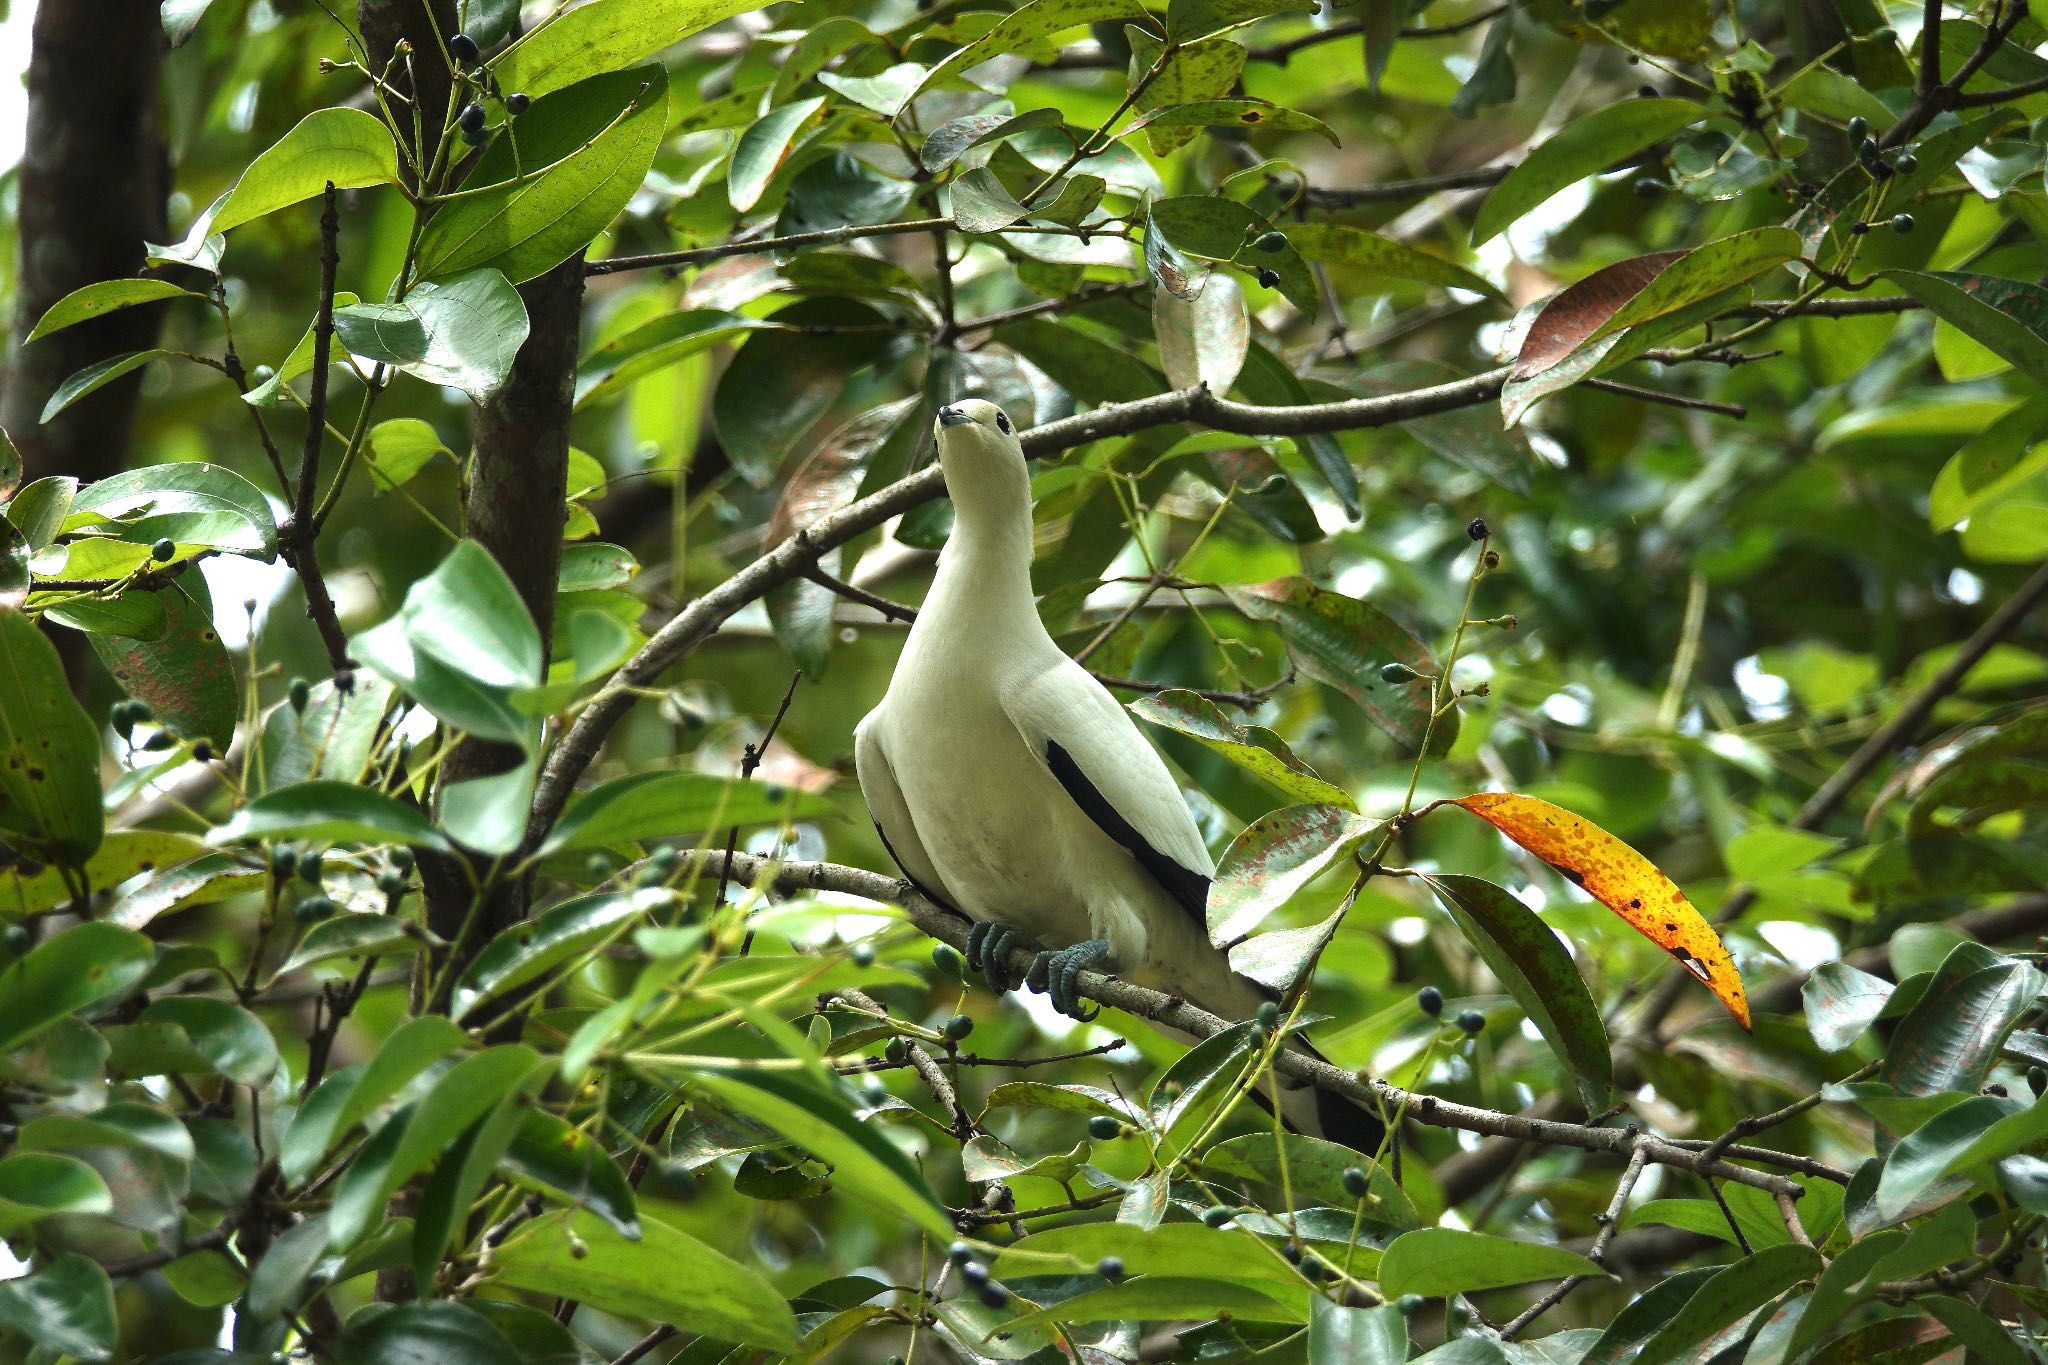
[[986, 474]]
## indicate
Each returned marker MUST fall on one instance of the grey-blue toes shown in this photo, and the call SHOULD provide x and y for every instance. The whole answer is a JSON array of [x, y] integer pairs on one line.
[[988, 952], [1058, 973]]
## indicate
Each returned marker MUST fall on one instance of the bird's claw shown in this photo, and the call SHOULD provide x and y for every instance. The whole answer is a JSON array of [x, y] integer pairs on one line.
[[1058, 973], [988, 952]]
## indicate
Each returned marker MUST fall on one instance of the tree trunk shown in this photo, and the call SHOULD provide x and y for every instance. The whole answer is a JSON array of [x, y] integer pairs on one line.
[[91, 193]]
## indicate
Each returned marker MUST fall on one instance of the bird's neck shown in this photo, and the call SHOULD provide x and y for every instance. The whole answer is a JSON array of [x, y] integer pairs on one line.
[[985, 570]]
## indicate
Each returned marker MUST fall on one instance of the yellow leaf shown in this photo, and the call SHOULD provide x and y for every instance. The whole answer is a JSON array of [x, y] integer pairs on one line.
[[1621, 879]]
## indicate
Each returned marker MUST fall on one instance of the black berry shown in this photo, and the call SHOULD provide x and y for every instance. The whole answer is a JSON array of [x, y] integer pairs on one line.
[[1103, 1128], [1269, 278], [1858, 228], [1471, 1020], [994, 1296], [1355, 1183], [958, 1027], [1397, 673], [283, 859], [1218, 1216], [471, 119], [311, 866], [1431, 1000], [1476, 529], [1648, 187], [202, 751], [1647, 92], [162, 551], [959, 1253], [463, 48], [301, 692], [1110, 1268], [1408, 1305], [974, 1273], [1902, 223], [1906, 164], [1291, 1253], [1859, 128], [2037, 1080], [517, 103], [863, 954]]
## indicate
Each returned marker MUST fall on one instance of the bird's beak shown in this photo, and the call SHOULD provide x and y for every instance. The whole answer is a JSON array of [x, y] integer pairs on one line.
[[953, 417]]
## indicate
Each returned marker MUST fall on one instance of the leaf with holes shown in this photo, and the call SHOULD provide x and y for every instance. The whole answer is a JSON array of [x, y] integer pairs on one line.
[[1621, 879]]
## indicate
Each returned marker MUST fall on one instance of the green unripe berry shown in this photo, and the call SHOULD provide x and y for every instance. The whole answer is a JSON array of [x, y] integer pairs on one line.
[[1270, 242], [1397, 673], [863, 954], [1902, 223], [947, 959], [1216, 1217], [15, 939], [1268, 1014], [1906, 164], [1859, 128], [300, 693], [1110, 1268], [958, 1027], [401, 858], [1471, 1020], [283, 859], [1430, 1001], [1355, 1183], [597, 867], [163, 550], [1408, 1305], [649, 875], [391, 882], [2037, 1080], [311, 866], [896, 1052], [1103, 1128], [313, 909]]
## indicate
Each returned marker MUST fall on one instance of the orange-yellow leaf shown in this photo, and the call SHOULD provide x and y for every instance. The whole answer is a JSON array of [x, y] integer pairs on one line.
[[1621, 879]]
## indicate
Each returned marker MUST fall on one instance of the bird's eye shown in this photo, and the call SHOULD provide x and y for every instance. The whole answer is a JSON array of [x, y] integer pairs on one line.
[[1002, 421]]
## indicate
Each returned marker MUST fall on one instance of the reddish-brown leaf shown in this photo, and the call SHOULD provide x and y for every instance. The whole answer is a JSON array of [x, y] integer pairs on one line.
[[1568, 320]]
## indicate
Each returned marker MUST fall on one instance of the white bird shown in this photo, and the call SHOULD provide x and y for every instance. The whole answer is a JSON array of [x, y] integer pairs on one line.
[[1008, 784]]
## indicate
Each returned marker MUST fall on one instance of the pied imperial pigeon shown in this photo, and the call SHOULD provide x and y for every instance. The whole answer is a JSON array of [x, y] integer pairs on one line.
[[1010, 786]]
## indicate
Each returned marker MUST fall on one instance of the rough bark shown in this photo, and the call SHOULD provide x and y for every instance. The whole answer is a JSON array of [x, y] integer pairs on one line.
[[91, 191]]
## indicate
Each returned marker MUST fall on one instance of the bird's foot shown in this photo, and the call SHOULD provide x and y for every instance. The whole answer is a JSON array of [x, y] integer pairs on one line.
[[988, 952], [1057, 974]]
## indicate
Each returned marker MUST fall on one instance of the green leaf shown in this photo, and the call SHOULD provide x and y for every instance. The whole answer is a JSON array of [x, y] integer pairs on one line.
[[664, 804], [949, 141], [332, 812], [1190, 20], [66, 973], [531, 949], [37, 1184], [397, 450], [581, 154], [299, 360], [982, 204], [1733, 1293], [667, 1276], [443, 1332], [865, 1164], [1843, 1285], [1524, 955], [1252, 747], [1704, 273], [1944, 1144], [144, 1154], [1191, 74], [2009, 317], [601, 37], [352, 936], [345, 1098], [1203, 340], [461, 645], [1355, 1336], [1223, 230], [123, 854], [1183, 1250], [763, 148], [1274, 857], [1382, 257], [66, 1307], [1234, 114], [461, 333], [278, 1281], [137, 614], [224, 1038], [1435, 1262], [38, 510], [93, 377], [333, 737], [1987, 1340], [413, 1139], [655, 345], [1951, 1036], [1089, 368], [1165, 1298], [1583, 147], [1343, 643], [102, 297], [777, 385], [348, 147], [185, 674], [1026, 26], [1762, 1227], [1842, 1001], [573, 1166]]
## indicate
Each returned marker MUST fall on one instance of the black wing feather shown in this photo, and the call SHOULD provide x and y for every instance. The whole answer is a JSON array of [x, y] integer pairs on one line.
[[1190, 890]]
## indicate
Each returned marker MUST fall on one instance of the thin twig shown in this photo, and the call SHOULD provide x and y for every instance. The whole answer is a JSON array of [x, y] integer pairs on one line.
[[298, 539], [1669, 400], [1610, 1223], [750, 761], [758, 246]]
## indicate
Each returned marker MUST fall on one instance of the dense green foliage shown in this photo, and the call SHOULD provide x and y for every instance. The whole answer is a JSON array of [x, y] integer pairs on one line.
[[1618, 421]]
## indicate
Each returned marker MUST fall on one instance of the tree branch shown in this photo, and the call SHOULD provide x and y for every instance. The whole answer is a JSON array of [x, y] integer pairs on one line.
[[1175, 1013], [299, 538]]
